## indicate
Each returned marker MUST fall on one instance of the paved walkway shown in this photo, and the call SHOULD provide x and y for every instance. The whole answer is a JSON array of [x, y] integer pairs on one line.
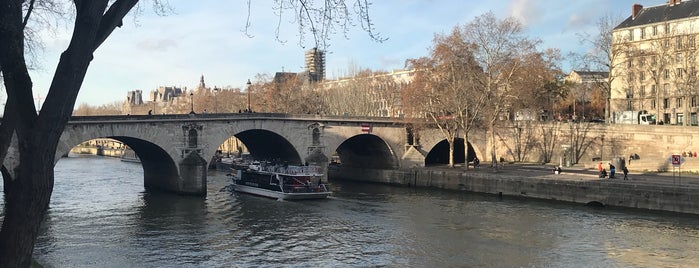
[[690, 180]]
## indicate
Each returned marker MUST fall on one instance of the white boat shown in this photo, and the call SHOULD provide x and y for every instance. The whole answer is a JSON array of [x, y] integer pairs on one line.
[[130, 156], [286, 182]]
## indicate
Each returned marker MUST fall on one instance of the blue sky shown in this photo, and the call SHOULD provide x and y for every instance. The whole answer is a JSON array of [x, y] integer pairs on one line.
[[206, 37]]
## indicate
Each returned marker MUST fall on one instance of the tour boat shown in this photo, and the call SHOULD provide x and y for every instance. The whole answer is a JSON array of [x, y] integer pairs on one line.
[[130, 156], [280, 181]]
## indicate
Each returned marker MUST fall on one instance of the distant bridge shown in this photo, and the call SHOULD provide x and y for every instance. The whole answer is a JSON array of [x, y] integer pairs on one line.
[[175, 149]]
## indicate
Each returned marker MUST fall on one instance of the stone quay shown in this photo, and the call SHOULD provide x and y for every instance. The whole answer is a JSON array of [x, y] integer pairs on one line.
[[648, 191]]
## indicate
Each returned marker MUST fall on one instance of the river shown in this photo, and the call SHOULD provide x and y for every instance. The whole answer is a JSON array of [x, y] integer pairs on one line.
[[100, 216]]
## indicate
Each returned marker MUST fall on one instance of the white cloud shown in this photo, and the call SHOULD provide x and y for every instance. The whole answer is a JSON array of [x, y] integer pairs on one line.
[[526, 11]]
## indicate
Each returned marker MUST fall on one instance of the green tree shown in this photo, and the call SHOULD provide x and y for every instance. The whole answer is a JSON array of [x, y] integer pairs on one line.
[[28, 179]]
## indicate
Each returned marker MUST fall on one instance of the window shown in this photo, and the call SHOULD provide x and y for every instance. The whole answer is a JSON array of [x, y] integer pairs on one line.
[[678, 57], [666, 42], [642, 76], [666, 89], [652, 104], [630, 79], [641, 61], [666, 103], [655, 30], [629, 63], [643, 33], [680, 73], [678, 103], [694, 101], [691, 42], [667, 28], [629, 105], [642, 92], [652, 90], [629, 93], [678, 40], [654, 74], [631, 34], [666, 74]]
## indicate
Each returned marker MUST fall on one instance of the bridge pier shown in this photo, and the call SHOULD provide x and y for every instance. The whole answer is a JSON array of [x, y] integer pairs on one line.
[[192, 178], [317, 158]]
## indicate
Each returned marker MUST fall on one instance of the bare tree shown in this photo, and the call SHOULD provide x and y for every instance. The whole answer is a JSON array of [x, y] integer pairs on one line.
[[445, 89], [499, 48], [28, 181], [549, 140], [604, 54]]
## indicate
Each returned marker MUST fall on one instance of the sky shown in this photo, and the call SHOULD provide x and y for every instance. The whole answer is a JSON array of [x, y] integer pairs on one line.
[[206, 37]]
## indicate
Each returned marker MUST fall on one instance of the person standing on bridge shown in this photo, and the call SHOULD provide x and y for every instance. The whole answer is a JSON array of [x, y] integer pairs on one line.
[[626, 172]]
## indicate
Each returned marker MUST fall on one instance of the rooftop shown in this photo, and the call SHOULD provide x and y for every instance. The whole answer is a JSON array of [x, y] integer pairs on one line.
[[662, 13]]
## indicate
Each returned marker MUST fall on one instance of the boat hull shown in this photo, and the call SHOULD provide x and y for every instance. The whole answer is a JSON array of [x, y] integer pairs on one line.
[[278, 194]]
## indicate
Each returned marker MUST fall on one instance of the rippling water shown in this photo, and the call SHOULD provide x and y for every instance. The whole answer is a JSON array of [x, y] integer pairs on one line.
[[100, 217]]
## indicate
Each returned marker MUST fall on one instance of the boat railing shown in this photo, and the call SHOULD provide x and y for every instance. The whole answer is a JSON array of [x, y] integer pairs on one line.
[[308, 188], [290, 170]]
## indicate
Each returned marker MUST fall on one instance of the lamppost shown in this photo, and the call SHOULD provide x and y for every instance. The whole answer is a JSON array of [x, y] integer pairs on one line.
[[248, 90], [215, 101], [191, 103]]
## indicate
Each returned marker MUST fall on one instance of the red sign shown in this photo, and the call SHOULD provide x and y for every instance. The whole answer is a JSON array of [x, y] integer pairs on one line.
[[676, 159], [366, 127]]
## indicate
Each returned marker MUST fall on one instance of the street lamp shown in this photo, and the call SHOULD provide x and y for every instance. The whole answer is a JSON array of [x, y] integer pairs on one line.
[[248, 90], [191, 103], [215, 101]]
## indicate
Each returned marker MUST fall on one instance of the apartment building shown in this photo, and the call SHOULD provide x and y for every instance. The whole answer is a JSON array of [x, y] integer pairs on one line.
[[654, 62]]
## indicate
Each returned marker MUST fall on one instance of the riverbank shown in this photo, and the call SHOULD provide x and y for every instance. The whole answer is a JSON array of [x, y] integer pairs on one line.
[[664, 192]]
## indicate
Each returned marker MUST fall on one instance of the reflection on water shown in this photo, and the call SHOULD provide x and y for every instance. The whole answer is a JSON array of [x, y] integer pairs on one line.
[[100, 217]]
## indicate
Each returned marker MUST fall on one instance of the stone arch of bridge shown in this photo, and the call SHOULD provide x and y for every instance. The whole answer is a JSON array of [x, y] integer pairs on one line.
[[267, 145], [439, 153], [158, 153], [366, 151]]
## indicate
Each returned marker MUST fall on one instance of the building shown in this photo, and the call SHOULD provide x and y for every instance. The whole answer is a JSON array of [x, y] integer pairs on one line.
[[380, 90], [654, 62], [587, 92], [315, 65]]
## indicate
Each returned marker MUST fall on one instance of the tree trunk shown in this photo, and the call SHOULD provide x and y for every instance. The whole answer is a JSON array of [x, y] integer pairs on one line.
[[26, 202], [451, 152], [466, 151], [494, 162]]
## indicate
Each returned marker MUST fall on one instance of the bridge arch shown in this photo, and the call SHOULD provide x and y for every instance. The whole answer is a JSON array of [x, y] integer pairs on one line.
[[366, 151], [160, 171], [439, 154], [268, 145]]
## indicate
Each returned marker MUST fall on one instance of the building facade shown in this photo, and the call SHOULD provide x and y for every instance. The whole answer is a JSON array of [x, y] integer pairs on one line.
[[653, 62]]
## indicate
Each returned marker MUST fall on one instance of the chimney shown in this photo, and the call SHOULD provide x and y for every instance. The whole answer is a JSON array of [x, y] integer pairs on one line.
[[636, 8], [674, 2]]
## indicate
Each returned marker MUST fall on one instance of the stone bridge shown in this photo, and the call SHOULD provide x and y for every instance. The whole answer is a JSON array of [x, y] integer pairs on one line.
[[175, 149]]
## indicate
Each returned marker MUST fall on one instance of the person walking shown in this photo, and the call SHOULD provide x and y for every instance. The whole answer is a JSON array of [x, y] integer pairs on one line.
[[599, 167], [626, 172]]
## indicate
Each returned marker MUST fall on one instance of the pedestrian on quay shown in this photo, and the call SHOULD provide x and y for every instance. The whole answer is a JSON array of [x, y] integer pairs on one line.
[[612, 170], [599, 167], [476, 162], [626, 172]]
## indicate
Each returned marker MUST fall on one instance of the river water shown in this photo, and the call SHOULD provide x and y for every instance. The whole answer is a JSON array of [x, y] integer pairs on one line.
[[100, 217]]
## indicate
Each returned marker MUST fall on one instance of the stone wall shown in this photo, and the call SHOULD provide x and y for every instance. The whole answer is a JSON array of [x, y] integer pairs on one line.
[[601, 143], [682, 199]]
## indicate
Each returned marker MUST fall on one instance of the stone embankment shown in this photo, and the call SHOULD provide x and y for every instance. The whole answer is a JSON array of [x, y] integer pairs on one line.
[[663, 192]]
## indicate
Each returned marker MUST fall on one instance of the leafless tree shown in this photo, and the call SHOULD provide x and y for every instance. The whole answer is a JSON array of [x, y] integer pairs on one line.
[[500, 49], [605, 53]]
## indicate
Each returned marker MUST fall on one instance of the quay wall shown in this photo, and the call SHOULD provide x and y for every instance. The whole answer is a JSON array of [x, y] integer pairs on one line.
[[617, 193]]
